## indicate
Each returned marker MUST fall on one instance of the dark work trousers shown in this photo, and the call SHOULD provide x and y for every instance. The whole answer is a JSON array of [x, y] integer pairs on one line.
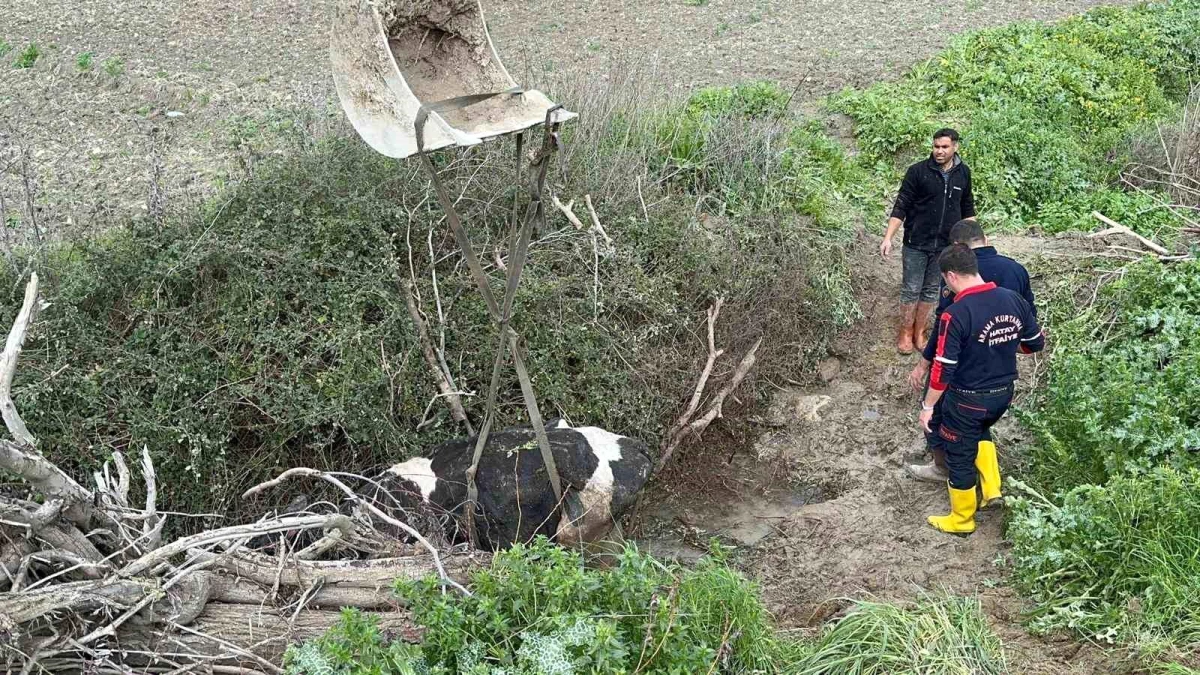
[[967, 418], [933, 440]]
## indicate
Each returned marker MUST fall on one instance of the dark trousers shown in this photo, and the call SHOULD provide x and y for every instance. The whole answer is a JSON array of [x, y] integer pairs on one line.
[[920, 276], [966, 419]]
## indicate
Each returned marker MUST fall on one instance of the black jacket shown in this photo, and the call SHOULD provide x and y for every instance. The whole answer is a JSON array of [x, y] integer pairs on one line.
[[979, 337], [930, 206]]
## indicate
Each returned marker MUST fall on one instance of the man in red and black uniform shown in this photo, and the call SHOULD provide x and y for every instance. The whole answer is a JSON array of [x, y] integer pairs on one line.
[[1005, 273], [974, 367]]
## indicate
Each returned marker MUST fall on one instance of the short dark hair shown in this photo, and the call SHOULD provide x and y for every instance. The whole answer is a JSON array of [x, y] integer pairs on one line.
[[960, 259], [966, 232], [946, 132]]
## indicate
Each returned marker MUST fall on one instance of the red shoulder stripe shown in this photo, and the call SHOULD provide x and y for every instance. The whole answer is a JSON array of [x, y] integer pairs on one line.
[[935, 378]]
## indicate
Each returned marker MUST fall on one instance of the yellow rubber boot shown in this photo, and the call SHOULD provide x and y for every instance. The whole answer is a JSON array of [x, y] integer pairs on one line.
[[988, 466], [962, 513]]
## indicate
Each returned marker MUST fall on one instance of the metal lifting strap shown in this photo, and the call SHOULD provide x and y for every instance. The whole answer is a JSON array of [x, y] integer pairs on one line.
[[507, 340]]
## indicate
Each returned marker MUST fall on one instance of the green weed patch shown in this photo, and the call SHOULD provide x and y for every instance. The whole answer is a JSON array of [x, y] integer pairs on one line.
[[1121, 396], [1044, 109], [539, 611], [1118, 562]]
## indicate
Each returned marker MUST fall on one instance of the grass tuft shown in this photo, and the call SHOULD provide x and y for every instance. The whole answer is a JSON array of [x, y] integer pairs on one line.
[[936, 635], [28, 56]]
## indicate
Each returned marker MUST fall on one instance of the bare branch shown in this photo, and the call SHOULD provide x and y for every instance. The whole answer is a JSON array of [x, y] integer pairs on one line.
[[8, 363], [375, 511], [211, 537], [713, 354], [435, 369], [45, 477], [376, 574], [717, 410], [596, 220], [1117, 228], [567, 211], [122, 477], [152, 527]]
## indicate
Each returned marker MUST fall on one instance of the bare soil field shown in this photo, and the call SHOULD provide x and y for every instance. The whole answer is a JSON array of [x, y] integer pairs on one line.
[[134, 104]]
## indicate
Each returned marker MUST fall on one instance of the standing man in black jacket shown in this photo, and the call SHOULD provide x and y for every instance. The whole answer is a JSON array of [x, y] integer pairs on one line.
[[936, 194]]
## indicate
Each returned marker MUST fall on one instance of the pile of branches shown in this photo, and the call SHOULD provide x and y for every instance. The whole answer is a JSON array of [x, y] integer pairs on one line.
[[88, 584]]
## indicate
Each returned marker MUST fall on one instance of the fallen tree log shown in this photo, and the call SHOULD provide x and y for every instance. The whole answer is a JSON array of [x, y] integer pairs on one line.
[[377, 573], [265, 634]]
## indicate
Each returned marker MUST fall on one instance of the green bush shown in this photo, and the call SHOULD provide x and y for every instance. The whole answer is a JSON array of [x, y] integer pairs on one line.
[[889, 118], [1116, 562], [1121, 394], [752, 100], [539, 611], [937, 635]]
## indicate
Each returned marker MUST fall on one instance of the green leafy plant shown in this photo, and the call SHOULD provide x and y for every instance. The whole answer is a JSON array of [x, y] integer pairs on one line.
[[28, 56], [5, 47], [537, 610], [354, 646], [936, 635], [1121, 394], [84, 61], [114, 66], [1116, 562]]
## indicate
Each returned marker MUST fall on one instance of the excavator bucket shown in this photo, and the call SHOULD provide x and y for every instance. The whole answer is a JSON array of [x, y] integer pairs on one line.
[[390, 57]]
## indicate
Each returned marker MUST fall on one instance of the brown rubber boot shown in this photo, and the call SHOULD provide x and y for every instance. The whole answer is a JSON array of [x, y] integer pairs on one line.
[[904, 342], [921, 323]]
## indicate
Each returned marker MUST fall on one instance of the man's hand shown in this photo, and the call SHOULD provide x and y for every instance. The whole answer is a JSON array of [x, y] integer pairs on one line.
[[925, 418], [916, 379], [885, 246]]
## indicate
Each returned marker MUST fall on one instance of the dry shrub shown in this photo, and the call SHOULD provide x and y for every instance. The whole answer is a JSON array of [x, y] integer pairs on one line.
[[1168, 159]]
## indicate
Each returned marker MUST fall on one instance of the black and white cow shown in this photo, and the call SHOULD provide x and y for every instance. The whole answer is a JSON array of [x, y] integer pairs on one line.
[[601, 475]]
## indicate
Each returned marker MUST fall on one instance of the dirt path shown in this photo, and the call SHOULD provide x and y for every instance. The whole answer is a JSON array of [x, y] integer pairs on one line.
[[822, 508], [177, 95]]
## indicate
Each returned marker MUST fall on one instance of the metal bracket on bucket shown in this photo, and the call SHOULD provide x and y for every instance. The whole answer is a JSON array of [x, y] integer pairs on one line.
[[391, 57]]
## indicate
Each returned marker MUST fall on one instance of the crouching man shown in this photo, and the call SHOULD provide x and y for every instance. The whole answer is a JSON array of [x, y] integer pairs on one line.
[[974, 368]]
